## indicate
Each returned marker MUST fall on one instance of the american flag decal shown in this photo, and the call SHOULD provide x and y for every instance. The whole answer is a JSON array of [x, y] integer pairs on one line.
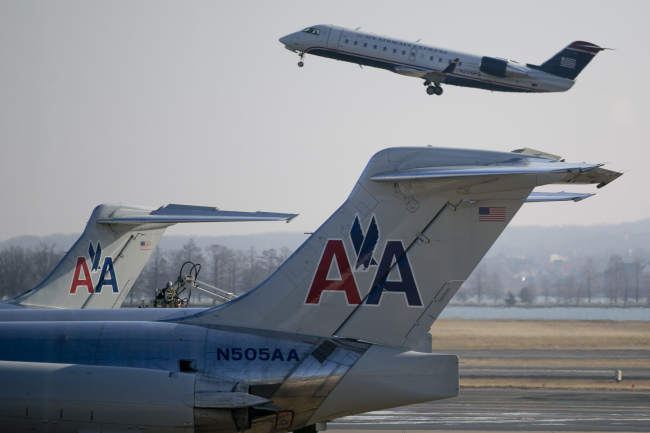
[[492, 214], [145, 245], [568, 62]]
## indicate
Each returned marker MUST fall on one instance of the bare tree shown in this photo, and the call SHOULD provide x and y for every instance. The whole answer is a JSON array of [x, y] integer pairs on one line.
[[588, 271], [638, 267], [614, 277], [217, 256], [14, 267]]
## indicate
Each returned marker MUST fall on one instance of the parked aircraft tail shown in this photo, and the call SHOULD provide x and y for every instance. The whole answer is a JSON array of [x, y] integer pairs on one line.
[[385, 264], [101, 267], [569, 62]]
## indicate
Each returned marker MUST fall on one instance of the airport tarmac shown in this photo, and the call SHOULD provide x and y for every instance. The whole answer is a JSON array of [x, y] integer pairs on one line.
[[513, 410]]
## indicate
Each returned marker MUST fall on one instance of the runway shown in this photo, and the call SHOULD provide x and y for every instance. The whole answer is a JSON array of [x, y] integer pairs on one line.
[[514, 410]]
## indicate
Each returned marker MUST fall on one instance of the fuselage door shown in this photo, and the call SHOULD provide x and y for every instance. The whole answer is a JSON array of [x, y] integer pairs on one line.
[[334, 37], [414, 52]]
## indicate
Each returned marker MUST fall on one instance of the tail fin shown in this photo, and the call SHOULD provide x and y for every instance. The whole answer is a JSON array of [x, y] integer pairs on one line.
[[101, 267], [385, 264], [569, 62]]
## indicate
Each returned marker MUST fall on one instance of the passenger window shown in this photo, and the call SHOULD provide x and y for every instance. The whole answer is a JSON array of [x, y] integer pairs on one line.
[[346, 41], [403, 53], [365, 44], [385, 48], [394, 50], [355, 42], [422, 56], [431, 58]]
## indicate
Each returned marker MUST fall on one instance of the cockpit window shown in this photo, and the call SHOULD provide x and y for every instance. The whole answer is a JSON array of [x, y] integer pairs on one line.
[[312, 30]]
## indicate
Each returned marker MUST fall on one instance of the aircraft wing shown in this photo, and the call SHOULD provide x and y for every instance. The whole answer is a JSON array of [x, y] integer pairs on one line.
[[436, 77], [175, 213]]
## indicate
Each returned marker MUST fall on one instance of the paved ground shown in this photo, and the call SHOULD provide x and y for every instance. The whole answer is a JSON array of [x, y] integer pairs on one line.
[[570, 361], [514, 410]]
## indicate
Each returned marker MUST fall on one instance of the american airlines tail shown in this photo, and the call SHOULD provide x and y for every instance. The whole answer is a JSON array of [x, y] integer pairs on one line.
[[569, 62], [101, 267], [387, 262]]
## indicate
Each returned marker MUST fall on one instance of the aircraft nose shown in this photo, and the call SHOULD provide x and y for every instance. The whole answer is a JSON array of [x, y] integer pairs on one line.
[[284, 40]]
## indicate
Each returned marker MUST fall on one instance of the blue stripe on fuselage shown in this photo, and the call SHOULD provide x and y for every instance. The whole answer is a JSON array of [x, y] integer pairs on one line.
[[452, 79]]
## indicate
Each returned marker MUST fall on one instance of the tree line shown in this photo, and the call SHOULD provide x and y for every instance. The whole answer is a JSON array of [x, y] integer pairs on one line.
[[580, 281], [497, 280], [23, 268], [235, 271]]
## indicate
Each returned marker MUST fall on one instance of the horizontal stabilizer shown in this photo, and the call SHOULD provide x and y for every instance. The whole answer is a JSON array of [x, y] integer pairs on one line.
[[538, 197], [456, 172], [175, 213]]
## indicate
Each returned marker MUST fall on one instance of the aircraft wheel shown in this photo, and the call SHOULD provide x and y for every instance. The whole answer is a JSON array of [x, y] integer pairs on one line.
[[437, 90], [431, 90], [301, 64]]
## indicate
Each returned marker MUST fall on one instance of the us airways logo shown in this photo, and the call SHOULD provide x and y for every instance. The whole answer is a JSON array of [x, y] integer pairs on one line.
[[336, 272], [83, 275]]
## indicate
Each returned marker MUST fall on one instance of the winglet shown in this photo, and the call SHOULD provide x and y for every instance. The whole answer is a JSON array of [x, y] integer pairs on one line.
[[450, 69]]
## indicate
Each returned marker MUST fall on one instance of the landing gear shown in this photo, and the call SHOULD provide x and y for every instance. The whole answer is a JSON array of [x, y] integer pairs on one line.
[[433, 89], [301, 63]]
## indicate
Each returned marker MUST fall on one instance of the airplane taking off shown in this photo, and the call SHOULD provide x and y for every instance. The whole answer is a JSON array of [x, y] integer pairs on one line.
[[329, 334], [438, 65], [101, 267]]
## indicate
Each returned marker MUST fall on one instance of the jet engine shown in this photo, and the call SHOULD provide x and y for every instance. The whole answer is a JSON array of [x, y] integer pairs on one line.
[[502, 68]]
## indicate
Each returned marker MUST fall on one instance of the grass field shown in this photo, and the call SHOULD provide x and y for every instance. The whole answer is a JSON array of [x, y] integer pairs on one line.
[[548, 336], [459, 334]]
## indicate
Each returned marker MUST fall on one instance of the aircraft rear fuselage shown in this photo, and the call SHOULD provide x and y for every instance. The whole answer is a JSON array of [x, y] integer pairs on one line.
[[293, 371]]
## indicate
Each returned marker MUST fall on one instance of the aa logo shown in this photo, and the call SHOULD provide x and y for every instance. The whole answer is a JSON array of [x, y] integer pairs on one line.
[[83, 274], [335, 273]]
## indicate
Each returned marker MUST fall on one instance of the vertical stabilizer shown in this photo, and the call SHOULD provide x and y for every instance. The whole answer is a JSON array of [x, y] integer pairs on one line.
[[104, 263], [100, 268], [386, 263], [569, 62]]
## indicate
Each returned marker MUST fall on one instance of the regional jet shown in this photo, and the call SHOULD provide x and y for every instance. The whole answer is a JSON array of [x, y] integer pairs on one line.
[[101, 267], [329, 334], [437, 65]]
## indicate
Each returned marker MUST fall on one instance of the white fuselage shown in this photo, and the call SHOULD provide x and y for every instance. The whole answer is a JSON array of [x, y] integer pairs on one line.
[[420, 60]]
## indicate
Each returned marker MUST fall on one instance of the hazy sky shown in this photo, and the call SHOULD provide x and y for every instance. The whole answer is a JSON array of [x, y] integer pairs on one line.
[[157, 102]]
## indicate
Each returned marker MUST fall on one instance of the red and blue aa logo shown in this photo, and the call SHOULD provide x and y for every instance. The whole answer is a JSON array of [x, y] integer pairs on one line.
[[83, 274], [335, 257]]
